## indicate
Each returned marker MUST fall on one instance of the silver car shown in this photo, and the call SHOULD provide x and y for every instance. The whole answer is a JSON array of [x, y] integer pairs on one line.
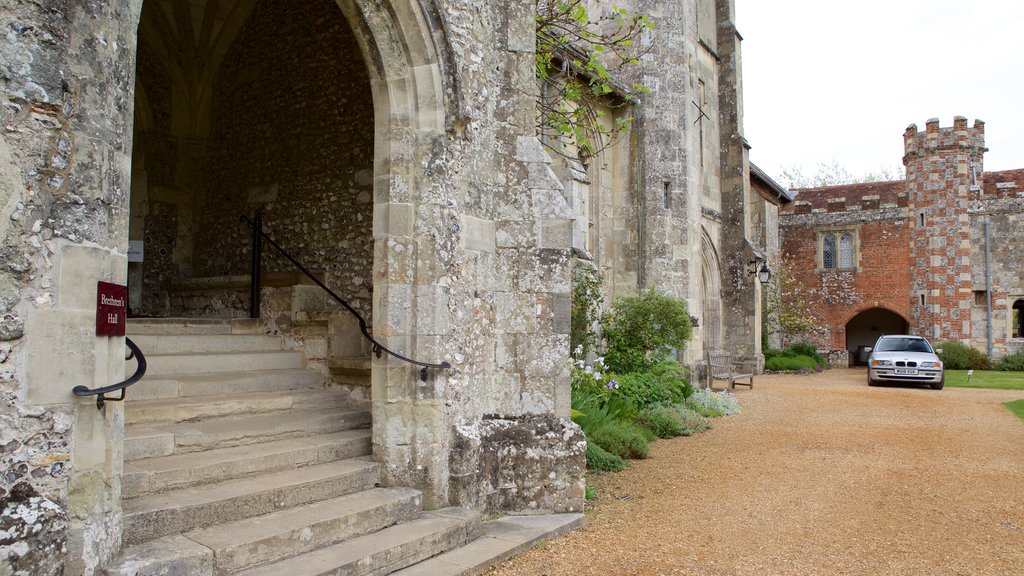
[[907, 359]]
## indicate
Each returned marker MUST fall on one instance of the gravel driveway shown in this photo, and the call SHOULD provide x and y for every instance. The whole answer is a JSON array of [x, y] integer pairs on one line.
[[819, 474]]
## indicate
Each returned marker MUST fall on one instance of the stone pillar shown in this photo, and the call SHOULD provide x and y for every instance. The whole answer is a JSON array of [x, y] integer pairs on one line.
[[741, 292]]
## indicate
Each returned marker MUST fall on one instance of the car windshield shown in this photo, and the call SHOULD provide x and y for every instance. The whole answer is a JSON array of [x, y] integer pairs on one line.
[[903, 345]]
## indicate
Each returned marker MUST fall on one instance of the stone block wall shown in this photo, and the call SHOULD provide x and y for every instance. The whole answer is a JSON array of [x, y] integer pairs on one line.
[[942, 166]]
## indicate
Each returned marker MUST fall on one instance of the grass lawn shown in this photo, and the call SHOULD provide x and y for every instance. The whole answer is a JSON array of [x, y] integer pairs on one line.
[[986, 379], [1016, 406]]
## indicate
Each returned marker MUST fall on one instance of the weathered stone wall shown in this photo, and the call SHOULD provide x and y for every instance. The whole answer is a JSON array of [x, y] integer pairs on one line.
[[64, 155], [525, 465], [1005, 215]]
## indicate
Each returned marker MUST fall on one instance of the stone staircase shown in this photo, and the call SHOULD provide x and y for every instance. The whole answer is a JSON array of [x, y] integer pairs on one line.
[[238, 460]]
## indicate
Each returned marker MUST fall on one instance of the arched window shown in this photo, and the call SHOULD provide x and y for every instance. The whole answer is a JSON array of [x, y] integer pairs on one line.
[[828, 251], [846, 251], [1018, 319]]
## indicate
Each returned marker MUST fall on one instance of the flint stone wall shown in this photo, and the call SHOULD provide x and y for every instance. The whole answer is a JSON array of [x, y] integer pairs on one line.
[[523, 465]]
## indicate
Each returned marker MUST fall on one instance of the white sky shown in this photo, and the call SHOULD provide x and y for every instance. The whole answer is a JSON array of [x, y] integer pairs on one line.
[[826, 80]]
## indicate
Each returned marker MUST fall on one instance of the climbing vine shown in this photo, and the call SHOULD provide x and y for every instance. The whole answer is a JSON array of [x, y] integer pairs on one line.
[[578, 49]]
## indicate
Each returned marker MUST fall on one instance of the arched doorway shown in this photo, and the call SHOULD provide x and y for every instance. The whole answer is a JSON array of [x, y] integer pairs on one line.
[[1017, 320], [711, 286], [244, 106], [864, 329], [328, 118]]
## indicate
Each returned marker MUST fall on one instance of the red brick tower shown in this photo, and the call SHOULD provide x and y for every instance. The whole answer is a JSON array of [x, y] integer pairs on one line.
[[944, 172]]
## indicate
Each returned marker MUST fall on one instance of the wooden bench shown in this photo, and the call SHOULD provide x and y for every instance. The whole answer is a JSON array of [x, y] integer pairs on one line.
[[720, 368]]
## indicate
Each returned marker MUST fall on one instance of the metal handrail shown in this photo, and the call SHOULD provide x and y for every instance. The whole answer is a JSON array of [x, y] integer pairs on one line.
[[100, 393], [377, 346]]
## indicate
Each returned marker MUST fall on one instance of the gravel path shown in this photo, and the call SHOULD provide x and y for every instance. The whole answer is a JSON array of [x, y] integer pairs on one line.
[[818, 475]]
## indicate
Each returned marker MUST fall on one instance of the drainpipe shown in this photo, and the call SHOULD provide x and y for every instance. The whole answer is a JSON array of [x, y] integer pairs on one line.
[[988, 289]]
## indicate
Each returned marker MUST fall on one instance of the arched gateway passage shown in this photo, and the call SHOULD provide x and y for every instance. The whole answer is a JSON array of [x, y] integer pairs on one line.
[[864, 329], [320, 115], [241, 106]]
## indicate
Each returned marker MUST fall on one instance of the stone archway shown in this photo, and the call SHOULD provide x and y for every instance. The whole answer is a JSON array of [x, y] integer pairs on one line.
[[402, 100], [711, 288], [864, 328]]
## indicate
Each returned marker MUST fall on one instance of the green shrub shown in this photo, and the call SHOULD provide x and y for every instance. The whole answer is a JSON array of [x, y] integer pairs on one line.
[[622, 439], [641, 331], [691, 421], [1011, 363], [957, 356], [600, 459], [672, 377], [661, 421], [591, 494], [805, 349], [662, 383], [794, 363], [706, 412], [721, 402]]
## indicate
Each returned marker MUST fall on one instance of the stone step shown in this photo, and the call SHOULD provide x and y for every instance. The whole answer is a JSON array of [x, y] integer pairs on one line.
[[168, 556], [153, 344], [207, 362], [166, 439], [499, 540], [152, 475], [183, 385], [385, 551], [164, 326], [280, 535], [178, 511], [170, 410]]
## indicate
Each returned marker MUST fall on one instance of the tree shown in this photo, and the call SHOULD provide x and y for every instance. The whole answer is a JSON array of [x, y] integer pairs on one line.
[[788, 307], [834, 174], [577, 51]]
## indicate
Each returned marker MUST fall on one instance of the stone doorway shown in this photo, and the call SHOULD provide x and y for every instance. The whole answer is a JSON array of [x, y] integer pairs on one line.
[[864, 329], [241, 106]]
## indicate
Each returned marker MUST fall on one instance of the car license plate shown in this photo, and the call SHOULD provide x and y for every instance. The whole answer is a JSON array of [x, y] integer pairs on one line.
[[906, 371]]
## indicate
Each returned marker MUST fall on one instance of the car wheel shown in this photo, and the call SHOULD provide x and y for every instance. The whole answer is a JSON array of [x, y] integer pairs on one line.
[[872, 382], [941, 383]]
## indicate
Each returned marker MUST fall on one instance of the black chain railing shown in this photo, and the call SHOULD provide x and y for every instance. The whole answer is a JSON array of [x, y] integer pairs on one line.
[[101, 393], [378, 348]]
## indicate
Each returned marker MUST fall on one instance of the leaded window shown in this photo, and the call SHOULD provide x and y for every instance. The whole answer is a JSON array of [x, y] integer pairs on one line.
[[828, 251], [846, 251]]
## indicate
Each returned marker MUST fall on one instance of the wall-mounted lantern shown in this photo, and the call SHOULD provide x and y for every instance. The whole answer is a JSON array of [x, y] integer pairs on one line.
[[764, 274]]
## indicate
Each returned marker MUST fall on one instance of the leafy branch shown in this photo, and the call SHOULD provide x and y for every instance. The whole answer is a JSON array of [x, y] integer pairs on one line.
[[788, 306], [577, 53]]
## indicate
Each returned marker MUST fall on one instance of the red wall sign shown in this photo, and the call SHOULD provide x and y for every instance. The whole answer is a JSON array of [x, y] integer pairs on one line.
[[111, 309]]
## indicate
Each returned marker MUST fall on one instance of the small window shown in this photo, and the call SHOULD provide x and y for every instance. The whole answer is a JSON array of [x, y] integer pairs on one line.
[[980, 298], [1018, 319], [846, 251], [828, 251]]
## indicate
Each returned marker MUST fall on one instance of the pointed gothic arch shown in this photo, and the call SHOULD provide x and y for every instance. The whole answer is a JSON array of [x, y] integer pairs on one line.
[[711, 293]]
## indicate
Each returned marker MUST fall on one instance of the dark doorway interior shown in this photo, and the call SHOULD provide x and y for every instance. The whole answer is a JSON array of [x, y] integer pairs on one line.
[[864, 328]]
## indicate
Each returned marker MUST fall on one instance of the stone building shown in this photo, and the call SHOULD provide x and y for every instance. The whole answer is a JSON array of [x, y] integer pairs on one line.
[[391, 148], [934, 254]]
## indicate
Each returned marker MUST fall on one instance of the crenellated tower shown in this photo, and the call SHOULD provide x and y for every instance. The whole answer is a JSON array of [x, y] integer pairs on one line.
[[944, 173]]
